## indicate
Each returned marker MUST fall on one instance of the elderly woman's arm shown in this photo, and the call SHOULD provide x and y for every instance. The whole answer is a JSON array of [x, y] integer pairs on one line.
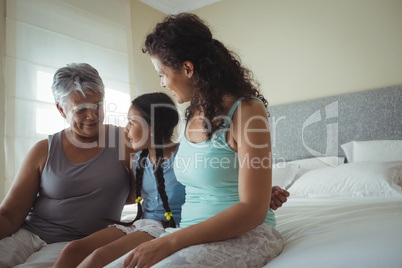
[[20, 198], [128, 153]]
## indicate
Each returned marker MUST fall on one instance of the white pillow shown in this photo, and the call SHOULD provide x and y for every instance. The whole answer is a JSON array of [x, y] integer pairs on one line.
[[376, 150], [319, 162], [283, 174], [350, 180]]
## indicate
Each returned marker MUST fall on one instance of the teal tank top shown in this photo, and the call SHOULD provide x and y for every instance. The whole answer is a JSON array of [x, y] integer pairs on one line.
[[209, 171]]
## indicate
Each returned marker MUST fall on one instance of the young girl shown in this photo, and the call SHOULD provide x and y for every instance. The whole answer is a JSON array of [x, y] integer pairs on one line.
[[151, 121], [226, 221]]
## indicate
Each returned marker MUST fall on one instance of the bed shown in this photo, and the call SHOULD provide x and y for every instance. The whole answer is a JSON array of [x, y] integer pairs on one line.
[[340, 158]]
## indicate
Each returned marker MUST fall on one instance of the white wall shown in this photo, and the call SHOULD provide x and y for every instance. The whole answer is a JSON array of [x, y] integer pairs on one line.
[[307, 49], [301, 50], [143, 19]]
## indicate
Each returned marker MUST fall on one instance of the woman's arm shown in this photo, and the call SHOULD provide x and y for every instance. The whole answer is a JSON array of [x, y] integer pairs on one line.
[[21, 196], [128, 154], [251, 133]]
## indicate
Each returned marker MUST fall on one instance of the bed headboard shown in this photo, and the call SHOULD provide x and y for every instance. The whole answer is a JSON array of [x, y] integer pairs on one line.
[[319, 127]]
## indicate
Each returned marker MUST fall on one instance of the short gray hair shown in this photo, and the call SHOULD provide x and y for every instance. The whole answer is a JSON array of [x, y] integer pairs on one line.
[[80, 77]]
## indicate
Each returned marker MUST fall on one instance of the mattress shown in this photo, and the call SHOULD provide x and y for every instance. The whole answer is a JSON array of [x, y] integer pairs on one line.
[[340, 232]]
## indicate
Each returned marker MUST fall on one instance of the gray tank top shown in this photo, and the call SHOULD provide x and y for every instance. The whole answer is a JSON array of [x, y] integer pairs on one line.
[[74, 199]]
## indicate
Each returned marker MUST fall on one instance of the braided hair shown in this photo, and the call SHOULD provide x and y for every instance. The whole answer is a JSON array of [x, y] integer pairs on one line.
[[159, 112]]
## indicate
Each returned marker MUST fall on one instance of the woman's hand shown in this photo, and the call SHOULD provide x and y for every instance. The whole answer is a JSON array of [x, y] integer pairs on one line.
[[149, 253], [278, 197]]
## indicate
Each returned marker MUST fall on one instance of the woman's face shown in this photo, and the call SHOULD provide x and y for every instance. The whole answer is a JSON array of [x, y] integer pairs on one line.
[[178, 82], [85, 115], [138, 131]]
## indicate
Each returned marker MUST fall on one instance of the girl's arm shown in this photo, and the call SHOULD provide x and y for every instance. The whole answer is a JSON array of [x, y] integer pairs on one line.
[[20, 198], [251, 133]]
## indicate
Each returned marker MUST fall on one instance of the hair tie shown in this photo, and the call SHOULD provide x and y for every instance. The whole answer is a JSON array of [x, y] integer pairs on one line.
[[138, 199], [168, 215]]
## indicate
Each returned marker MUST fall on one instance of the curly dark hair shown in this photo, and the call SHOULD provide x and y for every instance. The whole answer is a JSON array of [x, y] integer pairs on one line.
[[217, 71]]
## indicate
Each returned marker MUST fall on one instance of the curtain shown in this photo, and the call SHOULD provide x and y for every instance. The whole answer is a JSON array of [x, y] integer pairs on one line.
[[44, 35], [2, 94]]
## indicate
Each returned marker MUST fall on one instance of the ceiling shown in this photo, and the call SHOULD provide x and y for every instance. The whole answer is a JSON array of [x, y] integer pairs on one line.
[[177, 6]]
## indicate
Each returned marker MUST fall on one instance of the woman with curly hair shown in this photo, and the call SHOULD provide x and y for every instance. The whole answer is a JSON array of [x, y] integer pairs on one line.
[[226, 220]]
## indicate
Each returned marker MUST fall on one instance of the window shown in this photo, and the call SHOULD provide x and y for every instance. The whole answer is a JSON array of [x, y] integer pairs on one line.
[[44, 35]]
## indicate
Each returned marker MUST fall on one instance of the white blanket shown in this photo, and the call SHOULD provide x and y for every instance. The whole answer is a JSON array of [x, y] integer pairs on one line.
[[340, 232]]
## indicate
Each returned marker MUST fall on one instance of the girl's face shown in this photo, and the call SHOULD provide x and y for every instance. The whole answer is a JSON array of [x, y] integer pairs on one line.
[[138, 131], [178, 82], [85, 115]]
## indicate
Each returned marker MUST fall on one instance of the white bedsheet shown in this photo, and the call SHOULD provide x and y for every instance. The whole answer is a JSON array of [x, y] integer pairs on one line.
[[340, 232]]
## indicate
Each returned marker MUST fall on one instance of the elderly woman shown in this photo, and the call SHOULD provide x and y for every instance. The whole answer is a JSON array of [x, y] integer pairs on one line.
[[71, 181]]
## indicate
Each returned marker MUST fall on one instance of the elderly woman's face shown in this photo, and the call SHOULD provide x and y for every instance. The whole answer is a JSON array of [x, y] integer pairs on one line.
[[85, 115]]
